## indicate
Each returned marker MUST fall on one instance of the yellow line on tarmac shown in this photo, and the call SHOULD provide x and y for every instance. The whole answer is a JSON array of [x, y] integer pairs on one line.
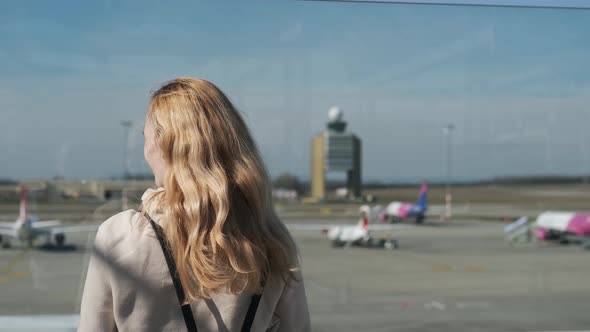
[[14, 275], [13, 261], [441, 268], [474, 268], [437, 266]]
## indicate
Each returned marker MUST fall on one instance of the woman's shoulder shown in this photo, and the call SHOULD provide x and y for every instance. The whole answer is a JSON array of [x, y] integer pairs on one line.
[[122, 226]]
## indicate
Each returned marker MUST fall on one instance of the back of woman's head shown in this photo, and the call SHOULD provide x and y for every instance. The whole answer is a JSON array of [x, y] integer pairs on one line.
[[216, 203]]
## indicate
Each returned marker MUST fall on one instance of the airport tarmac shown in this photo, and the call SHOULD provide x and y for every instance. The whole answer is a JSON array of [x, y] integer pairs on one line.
[[460, 276]]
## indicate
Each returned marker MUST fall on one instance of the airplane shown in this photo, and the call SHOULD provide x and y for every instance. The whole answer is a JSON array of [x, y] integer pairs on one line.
[[398, 211], [353, 235], [26, 229], [564, 227], [349, 235], [358, 235]]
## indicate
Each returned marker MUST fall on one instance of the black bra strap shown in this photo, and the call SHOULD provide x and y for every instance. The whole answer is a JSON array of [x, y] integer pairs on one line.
[[187, 313]]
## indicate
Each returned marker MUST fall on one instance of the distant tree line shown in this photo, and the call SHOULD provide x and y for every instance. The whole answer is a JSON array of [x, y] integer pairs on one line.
[[139, 176], [290, 181], [540, 179], [8, 182], [133, 176], [503, 180]]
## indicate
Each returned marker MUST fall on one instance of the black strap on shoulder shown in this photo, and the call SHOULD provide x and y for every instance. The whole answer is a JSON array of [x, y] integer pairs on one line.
[[251, 313], [187, 313]]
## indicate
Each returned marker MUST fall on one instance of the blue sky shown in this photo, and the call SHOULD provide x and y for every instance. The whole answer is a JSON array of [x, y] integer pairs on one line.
[[573, 4], [515, 82]]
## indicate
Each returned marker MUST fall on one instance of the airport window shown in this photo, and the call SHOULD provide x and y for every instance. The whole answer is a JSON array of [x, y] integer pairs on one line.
[[432, 162]]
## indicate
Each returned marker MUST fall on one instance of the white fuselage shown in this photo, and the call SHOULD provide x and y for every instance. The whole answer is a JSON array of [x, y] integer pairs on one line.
[[24, 230], [554, 220], [347, 233]]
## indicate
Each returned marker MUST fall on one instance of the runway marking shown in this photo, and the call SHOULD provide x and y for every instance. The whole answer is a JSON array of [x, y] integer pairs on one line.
[[448, 268], [437, 266], [435, 305], [14, 275], [441, 268], [407, 305], [13, 261], [474, 268]]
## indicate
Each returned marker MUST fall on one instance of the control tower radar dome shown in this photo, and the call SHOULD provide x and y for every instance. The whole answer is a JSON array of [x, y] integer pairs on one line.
[[335, 114]]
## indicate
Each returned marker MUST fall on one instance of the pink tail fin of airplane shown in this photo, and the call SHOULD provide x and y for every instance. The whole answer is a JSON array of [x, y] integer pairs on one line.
[[23, 203], [423, 188], [422, 199]]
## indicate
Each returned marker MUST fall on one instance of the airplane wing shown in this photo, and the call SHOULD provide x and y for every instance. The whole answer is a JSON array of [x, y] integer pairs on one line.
[[320, 227], [7, 231], [6, 224], [56, 227], [75, 228], [46, 224], [44, 227]]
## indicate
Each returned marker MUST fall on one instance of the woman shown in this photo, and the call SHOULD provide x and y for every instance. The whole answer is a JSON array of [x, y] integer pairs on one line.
[[207, 238]]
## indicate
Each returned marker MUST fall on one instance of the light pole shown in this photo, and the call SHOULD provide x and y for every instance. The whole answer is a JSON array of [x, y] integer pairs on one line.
[[447, 131], [126, 124]]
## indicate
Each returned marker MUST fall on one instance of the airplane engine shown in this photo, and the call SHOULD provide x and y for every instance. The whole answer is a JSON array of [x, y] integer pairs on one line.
[[60, 239]]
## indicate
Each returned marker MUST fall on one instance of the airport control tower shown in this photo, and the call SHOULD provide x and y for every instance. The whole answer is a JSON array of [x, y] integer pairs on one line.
[[335, 150]]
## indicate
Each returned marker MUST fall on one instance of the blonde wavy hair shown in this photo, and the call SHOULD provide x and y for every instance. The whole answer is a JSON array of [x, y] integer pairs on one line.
[[216, 203]]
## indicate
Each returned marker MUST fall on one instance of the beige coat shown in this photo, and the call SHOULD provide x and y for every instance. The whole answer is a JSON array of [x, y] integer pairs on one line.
[[129, 288]]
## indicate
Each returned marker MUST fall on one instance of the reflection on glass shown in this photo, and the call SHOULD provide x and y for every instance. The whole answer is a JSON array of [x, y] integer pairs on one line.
[[474, 248]]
